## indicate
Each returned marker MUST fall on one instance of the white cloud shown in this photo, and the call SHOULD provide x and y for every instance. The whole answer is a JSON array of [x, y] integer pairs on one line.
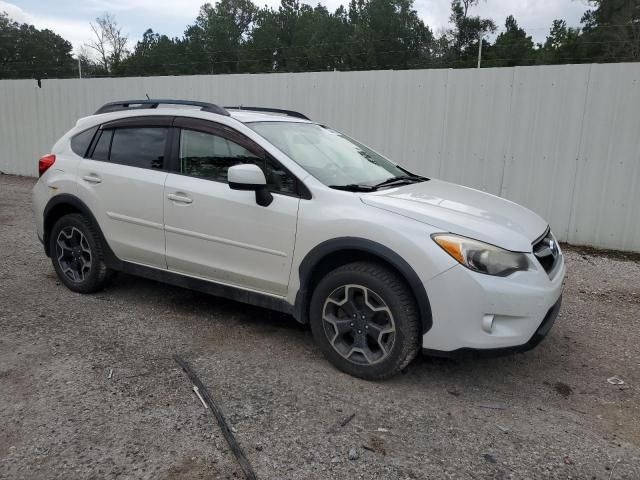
[[14, 12], [172, 9], [75, 31], [535, 16]]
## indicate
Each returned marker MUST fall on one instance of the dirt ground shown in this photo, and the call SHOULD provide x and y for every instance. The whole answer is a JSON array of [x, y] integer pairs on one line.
[[548, 413]]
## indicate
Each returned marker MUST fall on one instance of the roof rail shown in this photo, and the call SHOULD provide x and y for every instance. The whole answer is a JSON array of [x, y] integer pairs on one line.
[[289, 113], [153, 103]]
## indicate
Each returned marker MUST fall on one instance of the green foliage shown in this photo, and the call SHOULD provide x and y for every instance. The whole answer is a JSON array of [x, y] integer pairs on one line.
[[387, 34], [563, 45], [512, 47], [296, 37], [155, 54], [28, 52], [612, 31], [214, 42], [236, 36], [459, 46]]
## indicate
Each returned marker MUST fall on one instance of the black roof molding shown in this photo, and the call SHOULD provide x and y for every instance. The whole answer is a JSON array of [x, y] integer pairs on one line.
[[289, 113], [154, 103]]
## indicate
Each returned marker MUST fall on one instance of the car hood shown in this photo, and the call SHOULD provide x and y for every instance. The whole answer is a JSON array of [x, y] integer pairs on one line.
[[464, 211]]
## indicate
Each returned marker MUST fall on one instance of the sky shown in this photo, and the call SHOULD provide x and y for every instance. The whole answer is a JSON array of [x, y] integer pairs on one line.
[[70, 18]]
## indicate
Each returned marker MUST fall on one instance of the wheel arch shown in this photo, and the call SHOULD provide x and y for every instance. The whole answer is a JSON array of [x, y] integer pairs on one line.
[[65, 204], [332, 253]]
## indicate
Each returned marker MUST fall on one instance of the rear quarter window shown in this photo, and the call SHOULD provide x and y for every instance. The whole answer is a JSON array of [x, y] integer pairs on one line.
[[142, 147], [101, 150], [81, 141]]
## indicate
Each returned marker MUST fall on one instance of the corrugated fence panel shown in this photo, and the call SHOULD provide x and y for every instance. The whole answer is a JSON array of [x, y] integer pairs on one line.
[[546, 124], [477, 119], [561, 140], [606, 204]]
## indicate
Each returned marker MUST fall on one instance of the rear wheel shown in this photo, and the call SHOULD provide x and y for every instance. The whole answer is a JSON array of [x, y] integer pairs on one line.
[[78, 254], [364, 318]]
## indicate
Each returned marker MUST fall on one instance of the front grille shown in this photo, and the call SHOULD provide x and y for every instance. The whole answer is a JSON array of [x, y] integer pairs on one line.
[[546, 251]]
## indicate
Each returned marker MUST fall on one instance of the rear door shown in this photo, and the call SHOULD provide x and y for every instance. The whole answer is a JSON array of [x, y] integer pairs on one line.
[[220, 234], [122, 182]]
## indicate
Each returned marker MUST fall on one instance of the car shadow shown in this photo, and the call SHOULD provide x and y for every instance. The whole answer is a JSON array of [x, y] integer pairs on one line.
[[183, 303]]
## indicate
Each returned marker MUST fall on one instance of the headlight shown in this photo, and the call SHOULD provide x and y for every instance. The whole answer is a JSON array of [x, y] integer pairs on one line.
[[481, 257]]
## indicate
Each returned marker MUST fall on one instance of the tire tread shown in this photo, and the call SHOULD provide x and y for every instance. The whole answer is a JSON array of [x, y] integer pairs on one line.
[[411, 332], [103, 275]]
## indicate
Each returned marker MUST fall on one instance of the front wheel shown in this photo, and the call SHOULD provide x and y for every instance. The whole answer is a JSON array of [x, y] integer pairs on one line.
[[364, 318]]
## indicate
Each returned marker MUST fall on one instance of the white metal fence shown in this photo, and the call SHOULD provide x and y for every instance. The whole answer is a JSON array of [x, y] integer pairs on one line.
[[562, 140]]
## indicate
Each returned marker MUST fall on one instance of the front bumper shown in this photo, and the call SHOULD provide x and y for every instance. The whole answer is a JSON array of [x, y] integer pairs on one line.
[[479, 313], [538, 336]]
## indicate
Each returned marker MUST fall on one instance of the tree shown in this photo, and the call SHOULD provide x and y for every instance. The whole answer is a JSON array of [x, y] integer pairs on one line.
[[26, 52], [388, 34], [90, 67], [110, 44], [563, 45], [156, 54], [214, 41], [311, 38], [463, 38], [512, 47], [612, 30], [261, 51]]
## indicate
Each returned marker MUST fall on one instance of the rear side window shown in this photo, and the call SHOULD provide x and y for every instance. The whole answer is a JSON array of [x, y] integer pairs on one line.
[[80, 142], [141, 147]]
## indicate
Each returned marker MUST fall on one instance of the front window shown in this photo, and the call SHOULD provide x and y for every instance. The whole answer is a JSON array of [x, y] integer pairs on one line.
[[331, 157], [209, 156]]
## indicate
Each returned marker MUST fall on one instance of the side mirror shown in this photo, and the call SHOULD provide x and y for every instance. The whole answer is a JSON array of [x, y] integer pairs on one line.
[[250, 177]]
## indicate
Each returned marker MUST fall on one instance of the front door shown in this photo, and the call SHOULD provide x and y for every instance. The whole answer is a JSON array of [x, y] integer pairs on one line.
[[219, 234]]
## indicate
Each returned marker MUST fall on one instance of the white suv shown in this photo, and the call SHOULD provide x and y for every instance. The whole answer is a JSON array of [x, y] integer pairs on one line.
[[267, 207]]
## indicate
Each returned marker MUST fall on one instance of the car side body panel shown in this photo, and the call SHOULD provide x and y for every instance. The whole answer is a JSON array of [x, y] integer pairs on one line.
[[223, 235], [127, 203]]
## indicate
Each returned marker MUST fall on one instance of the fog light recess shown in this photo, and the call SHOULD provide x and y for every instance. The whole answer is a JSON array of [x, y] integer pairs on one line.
[[487, 323]]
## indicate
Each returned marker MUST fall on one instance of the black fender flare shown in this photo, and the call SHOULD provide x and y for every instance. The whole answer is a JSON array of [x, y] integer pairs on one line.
[[322, 250], [65, 199]]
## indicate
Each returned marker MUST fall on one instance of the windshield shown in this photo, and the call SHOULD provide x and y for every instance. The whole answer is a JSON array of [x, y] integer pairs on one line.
[[333, 158]]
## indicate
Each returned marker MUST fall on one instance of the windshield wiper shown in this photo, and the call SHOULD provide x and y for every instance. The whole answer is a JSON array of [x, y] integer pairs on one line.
[[354, 187], [403, 180]]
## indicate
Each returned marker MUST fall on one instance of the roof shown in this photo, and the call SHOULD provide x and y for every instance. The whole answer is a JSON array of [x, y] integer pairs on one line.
[[244, 116], [241, 113]]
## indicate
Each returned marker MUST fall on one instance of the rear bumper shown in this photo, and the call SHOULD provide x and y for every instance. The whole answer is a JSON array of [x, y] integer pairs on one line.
[[38, 202], [539, 335]]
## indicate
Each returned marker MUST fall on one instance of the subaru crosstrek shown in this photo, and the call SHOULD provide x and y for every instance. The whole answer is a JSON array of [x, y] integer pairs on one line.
[[266, 207]]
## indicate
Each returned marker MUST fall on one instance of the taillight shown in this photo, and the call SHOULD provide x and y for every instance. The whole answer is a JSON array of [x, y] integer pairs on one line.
[[45, 162]]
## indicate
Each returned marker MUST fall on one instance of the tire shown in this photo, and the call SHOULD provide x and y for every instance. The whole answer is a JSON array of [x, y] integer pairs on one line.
[[365, 320], [80, 265]]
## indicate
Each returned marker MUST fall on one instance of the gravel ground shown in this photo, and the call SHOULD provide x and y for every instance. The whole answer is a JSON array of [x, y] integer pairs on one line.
[[547, 413]]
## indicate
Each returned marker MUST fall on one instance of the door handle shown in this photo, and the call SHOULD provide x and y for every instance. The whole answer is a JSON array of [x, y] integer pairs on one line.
[[92, 178], [179, 198]]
